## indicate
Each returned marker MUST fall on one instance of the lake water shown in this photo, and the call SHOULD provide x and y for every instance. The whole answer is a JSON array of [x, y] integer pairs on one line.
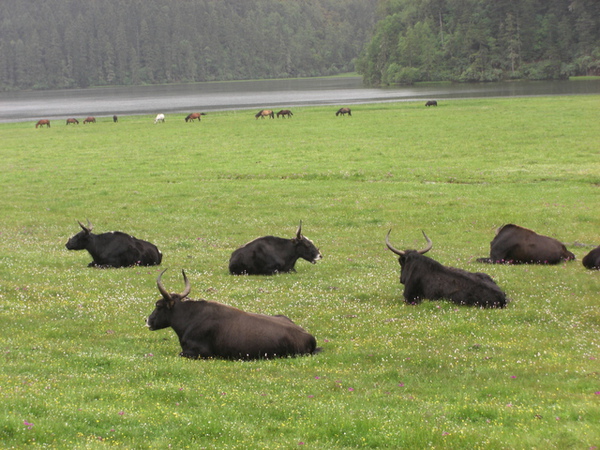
[[198, 97]]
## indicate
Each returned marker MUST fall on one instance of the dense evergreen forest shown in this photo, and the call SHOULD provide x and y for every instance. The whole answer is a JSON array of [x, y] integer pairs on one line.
[[482, 40], [76, 43]]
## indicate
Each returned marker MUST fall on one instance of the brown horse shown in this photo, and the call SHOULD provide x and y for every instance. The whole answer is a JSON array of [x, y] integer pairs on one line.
[[193, 116], [89, 120], [43, 122], [343, 112], [115, 118], [72, 121], [265, 113], [285, 112]]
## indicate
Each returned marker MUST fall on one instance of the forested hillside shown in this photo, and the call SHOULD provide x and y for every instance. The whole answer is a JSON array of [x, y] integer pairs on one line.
[[75, 43], [483, 40]]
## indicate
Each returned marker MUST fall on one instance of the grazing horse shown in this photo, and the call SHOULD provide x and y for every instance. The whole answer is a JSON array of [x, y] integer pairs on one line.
[[43, 122], [115, 118], [89, 120], [265, 113], [72, 121], [193, 116], [431, 103], [285, 112], [160, 118], [343, 112]]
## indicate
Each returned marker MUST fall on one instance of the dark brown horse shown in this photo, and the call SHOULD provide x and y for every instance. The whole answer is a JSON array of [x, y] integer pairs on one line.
[[43, 122], [193, 116], [285, 112], [265, 113], [72, 121], [89, 120], [115, 118], [343, 112], [431, 103]]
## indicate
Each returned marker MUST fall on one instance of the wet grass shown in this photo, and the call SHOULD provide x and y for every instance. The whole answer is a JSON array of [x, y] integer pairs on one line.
[[80, 370]]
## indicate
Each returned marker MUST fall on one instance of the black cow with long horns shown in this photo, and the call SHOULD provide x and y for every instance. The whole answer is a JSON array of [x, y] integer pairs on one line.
[[269, 255], [213, 330], [425, 278], [114, 249]]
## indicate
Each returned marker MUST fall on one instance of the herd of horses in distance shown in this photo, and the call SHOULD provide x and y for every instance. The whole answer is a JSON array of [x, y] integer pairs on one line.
[[208, 329], [197, 116]]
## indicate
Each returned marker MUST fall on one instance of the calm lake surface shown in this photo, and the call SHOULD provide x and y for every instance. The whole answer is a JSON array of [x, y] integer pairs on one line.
[[215, 96]]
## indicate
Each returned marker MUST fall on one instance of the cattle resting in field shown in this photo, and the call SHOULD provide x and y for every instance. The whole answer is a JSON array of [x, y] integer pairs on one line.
[[517, 245], [431, 103], [269, 255], [114, 249], [592, 259], [159, 118], [343, 112], [209, 329], [425, 278]]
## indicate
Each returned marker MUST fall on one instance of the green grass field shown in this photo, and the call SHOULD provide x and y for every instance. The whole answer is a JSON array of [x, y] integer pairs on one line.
[[79, 369]]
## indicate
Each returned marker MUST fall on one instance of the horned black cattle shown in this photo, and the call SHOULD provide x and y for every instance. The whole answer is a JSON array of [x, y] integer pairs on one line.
[[114, 249], [425, 278], [209, 329], [517, 245], [269, 255], [592, 259]]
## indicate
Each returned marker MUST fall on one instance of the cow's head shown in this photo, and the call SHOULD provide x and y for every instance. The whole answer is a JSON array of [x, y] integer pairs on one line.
[[407, 254], [163, 310], [305, 248], [81, 239]]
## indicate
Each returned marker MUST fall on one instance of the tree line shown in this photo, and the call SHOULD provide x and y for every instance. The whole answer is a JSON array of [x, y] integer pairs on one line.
[[482, 40], [76, 44]]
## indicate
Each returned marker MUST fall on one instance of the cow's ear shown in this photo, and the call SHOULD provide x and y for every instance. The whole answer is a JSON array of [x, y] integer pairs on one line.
[[170, 302]]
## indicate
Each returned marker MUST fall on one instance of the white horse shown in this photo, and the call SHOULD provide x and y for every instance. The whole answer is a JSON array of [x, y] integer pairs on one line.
[[160, 118]]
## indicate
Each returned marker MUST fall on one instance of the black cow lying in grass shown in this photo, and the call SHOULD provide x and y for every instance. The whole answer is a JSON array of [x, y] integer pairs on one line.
[[114, 249], [269, 255], [425, 278], [592, 259], [209, 329], [517, 245]]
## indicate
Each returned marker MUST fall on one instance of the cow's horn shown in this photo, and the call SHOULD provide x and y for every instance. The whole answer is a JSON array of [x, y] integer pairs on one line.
[[387, 242], [89, 226], [299, 232], [188, 286], [429, 244], [161, 288]]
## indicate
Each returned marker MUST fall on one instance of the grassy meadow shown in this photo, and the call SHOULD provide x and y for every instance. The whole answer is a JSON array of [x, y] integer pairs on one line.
[[79, 369]]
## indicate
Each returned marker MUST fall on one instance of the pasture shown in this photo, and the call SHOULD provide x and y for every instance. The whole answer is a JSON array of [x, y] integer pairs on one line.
[[79, 369]]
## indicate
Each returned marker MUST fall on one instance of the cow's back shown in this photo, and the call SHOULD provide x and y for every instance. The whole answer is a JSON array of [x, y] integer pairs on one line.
[[120, 249], [521, 245], [262, 256]]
